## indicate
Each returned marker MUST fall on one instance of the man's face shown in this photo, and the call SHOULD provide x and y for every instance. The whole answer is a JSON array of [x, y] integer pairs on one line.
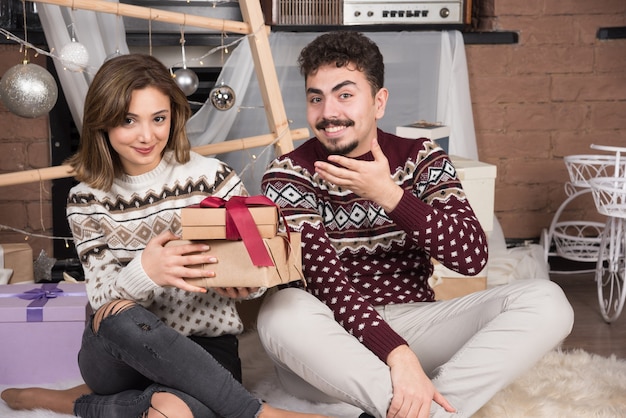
[[341, 110]]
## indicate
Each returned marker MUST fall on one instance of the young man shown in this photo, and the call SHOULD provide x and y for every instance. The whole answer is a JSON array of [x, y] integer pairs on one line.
[[373, 209]]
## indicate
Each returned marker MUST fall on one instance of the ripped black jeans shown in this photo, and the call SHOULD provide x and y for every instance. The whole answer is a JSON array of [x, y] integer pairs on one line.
[[134, 354]]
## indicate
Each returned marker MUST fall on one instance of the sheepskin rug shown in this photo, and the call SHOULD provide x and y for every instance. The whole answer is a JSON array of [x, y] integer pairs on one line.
[[572, 384]]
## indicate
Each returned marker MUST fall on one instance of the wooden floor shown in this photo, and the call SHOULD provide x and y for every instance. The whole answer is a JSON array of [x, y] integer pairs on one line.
[[590, 331]]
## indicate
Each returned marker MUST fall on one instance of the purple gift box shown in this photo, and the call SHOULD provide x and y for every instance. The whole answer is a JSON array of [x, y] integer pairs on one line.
[[41, 327]]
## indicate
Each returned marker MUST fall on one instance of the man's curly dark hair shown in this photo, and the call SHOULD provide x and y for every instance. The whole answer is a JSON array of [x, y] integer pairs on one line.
[[343, 48]]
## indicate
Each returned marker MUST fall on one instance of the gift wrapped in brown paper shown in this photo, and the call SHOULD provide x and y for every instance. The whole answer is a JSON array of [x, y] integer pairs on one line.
[[235, 268], [17, 261], [210, 219], [449, 285]]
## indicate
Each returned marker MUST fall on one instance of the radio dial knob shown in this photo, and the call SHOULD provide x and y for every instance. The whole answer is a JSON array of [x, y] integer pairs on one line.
[[445, 12]]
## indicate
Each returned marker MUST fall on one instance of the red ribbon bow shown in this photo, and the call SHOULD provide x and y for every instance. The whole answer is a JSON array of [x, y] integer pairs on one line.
[[241, 225]]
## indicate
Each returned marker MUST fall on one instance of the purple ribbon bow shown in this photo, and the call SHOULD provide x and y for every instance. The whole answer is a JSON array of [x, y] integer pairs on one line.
[[39, 297]]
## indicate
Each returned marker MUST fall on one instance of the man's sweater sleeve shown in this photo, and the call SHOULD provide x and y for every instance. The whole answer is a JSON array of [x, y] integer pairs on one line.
[[441, 220]]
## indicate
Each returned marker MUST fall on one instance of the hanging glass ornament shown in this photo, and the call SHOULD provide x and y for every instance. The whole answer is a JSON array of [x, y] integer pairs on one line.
[[74, 56], [222, 97], [117, 53], [28, 90], [187, 80]]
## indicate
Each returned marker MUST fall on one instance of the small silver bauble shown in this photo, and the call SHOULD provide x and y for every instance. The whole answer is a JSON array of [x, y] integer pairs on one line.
[[116, 54], [187, 80], [222, 97], [74, 56], [28, 90]]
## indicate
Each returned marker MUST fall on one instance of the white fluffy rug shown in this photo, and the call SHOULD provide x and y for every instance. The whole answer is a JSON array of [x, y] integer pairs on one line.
[[562, 385]]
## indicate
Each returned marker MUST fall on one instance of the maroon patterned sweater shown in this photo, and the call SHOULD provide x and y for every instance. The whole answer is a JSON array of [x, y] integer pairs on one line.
[[356, 256]]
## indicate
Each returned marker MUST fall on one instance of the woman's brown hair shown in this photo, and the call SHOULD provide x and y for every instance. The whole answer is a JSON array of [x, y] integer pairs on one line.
[[106, 106]]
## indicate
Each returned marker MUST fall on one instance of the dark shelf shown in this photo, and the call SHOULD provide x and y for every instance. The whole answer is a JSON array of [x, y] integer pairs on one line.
[[490, 38], [618, 32], [470, 38], [210, 39], [399, 27], [173, 39], [35, 37]]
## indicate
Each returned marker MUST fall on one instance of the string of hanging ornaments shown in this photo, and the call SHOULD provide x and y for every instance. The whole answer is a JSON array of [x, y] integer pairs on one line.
[[29, 90]]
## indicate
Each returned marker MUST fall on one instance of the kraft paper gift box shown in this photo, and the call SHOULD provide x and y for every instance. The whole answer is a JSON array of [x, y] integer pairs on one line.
[[201, 223], [236, 269], [17, 261], [454, 287], [40, 343], [448, 284]]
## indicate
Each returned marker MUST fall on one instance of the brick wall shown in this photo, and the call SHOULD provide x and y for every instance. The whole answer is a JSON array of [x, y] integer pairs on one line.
[[24, 145], [553, 94]]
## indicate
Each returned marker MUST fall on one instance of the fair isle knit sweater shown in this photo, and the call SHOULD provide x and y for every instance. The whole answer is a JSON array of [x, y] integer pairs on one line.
[[111, 229], [356, 256]]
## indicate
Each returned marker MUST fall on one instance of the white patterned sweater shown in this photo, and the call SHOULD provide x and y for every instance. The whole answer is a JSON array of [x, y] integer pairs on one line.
[[111, 229], [355, 256]]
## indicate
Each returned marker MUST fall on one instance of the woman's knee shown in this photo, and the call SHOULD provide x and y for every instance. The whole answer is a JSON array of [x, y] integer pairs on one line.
[[168, 405], [109, 309]]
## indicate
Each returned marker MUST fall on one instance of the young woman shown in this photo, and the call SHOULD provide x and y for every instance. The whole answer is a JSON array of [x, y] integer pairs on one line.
[[155, 346]]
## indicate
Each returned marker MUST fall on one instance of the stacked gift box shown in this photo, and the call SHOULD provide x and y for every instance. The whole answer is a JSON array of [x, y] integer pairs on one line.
[[243, 235]]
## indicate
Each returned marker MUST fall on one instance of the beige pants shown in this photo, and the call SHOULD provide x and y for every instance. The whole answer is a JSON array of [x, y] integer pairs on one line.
[[471, 346]]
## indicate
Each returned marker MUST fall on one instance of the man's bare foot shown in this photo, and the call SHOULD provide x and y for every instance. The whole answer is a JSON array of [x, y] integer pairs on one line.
[[269, 411], [57, 400]]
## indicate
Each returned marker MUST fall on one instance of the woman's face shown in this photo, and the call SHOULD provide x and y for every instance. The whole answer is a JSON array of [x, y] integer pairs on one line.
[[141, 139]]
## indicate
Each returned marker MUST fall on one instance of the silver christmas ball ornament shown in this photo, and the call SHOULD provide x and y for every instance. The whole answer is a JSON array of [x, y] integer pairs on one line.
[[28, 90], [187, 80], [222, 97], [74, 56], [115, 54]]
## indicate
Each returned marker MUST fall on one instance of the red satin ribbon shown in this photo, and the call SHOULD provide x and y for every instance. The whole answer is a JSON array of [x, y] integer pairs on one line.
[[240, 224]]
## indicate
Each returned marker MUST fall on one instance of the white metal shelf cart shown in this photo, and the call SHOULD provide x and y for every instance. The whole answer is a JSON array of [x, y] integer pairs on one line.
[[609, 195], [604, 176]]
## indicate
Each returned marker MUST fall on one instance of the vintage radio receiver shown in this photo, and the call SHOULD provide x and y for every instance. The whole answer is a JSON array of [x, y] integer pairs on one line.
[[366, 12]]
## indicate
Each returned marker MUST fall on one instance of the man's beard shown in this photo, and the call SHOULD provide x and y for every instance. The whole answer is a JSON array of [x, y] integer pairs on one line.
[[345, 149]]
